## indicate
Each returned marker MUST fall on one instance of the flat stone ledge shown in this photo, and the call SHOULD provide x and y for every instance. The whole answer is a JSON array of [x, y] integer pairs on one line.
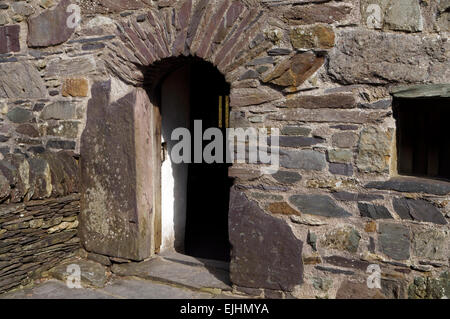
[[422, 91], [413, 185], [179, 274]]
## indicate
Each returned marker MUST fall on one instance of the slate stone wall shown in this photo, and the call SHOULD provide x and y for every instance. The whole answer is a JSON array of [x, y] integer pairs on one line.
[[324, 72], [39, 207]]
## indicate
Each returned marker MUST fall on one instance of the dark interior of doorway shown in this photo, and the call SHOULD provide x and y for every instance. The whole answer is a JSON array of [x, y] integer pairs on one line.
[[208, 186]]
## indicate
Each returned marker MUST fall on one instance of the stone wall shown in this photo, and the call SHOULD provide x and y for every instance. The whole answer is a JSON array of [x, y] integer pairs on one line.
[[324, 72], [39, 207]]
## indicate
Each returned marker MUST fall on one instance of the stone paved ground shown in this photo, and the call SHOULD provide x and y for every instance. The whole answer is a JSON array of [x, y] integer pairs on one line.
[[171, 276], [118, 289]]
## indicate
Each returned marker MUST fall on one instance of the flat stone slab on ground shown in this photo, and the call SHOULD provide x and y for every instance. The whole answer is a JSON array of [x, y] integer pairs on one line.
[[55, 290], [176, 273], [194, 261], [142, 289], [118, 289], [92, 273]]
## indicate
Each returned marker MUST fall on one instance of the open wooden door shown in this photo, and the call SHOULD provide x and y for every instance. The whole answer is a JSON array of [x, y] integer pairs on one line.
[[158, 150]]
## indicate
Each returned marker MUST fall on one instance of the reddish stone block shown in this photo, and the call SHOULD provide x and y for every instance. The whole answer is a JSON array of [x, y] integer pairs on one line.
[[9, 39]]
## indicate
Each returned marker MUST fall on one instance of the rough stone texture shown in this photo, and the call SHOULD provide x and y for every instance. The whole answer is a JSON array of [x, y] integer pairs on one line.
[[9, 39], [341, 169], [296, 70], [310, 68], [50, 27], [325, 13], [430, 288], [374, 211], [345, 239], [309, 37], [298, 141], [246, 97], [282, 208], [354, 197], [374, 150], [419, 210], [20, 80], [320, 205], [421, 91], [115, 216], [265, 252], [394, 240], [376, 56], [305, 160], [431, 244], [356, 290], [61, 110], [331, 101], [75, 88], [345, 139], [347, 263], [327, 115], [340, 156], [35, 237], [286, 177], [295, 130], [413, 185], [404, 15], [92, 273], [19, 115]]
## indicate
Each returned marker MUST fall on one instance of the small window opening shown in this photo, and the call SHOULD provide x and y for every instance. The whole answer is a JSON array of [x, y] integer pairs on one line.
[[423, 137]]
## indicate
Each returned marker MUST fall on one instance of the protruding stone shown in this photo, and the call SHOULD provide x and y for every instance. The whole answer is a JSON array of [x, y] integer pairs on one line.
[[296, 70], [356, 290], [282, 208], [394, 240], [341, 169], [344, 140], [431, 244], [374, 150], [265, 252], [375, 54], [324, 13], [19, 115], [292, 130], [345, 238], [329, 101], [116, 208], [75, 87], [62, 110], [419, 210], [310, 37], [413, 185], [404, 15], [320, 205], [20, 80], [51, 27], [305, 159], [374, 211], [10, 39], [340, 156], [253, 96], [286, 177]]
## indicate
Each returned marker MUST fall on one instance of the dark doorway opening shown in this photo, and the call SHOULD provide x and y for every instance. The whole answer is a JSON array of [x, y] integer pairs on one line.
[[208, 185], [423, 137]]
